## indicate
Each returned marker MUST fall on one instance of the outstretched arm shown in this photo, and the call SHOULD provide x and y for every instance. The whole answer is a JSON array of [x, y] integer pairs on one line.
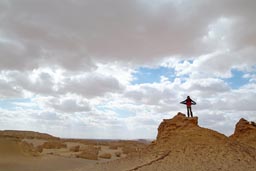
[[183, 102], [193, 102]]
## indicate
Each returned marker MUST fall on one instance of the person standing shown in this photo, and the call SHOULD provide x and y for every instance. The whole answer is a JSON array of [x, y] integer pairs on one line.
[[188, 102]]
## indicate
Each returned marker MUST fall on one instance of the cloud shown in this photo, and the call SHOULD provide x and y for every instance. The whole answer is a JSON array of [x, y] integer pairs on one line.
[[152, 93], [91, 85], [47, 81], [46, 116], [205, 86], [43, 32], [76, 60], [7, 90], [238, 100], [37, 81], [217, 64], [137, 32], [64, 104]]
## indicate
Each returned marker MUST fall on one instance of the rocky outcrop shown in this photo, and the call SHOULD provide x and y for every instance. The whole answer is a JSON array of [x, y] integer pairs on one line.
[[245, 132], [90, 153], [183, 145], [53, 145], [244, 127], [177, 123], [182, 130]]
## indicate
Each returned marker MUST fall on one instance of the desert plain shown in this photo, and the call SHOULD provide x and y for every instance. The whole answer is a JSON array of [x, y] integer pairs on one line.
[[181, 145]]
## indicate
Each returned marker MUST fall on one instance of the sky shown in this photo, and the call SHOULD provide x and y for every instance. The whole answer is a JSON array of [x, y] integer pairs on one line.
[[114, 69]]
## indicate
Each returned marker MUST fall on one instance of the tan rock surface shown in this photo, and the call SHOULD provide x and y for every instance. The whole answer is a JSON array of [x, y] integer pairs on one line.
[[105, 156], [53, 145], [186, 146], [182, 145], [91, 153], [245, 132]]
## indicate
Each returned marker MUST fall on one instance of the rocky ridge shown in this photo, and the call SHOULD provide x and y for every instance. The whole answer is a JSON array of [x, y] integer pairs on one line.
[[26, 134], [183, 145], [245, 132]]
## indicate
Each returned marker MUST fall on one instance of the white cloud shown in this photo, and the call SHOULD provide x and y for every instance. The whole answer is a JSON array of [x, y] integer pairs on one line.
[[129, 31], [97, 31], [64, 104], [206, 86], [7, 90], [91, 85], [76, 60]]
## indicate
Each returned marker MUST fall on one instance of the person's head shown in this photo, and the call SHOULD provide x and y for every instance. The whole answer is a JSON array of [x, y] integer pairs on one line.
[[188, 97]]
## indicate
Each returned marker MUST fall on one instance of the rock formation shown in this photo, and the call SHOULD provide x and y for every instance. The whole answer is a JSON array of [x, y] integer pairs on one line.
[[183, 145], [179, 123], [245, 132]]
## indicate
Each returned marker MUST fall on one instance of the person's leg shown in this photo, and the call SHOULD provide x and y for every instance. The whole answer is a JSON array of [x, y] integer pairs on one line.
[[191, 113], [188, 111]]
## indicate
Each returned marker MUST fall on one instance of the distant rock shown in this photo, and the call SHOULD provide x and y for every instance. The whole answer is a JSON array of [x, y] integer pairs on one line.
[[245, 132], [53, 145], [90, 153], [75, 148], [26, 134], [105, 156]]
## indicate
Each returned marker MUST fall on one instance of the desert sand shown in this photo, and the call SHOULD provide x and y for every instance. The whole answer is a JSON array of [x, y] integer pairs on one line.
[[181, 145], [32, 151]]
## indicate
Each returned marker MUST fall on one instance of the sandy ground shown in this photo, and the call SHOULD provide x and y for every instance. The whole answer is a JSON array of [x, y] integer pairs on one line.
[[14, 156], [49, 163]]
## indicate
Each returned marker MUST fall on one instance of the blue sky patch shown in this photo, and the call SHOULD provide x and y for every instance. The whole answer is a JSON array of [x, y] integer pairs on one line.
[[122, 113], [151, 75], [237, 80], [11, 104]]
